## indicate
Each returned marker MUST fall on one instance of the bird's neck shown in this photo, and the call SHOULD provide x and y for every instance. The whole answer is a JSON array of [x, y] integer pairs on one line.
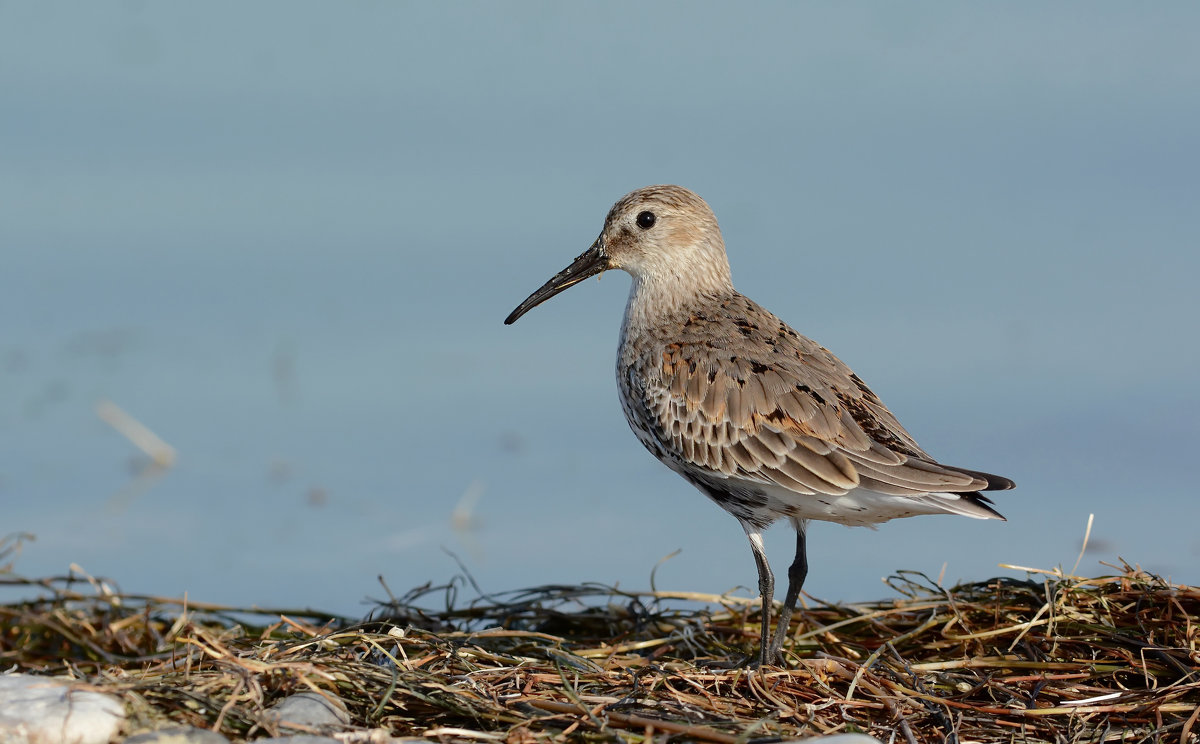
[[656, 298]]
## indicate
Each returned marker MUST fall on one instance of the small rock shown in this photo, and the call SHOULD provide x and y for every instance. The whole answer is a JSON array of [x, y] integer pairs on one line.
[[178, 735], [47, 710], [298, 739], [310, 709]]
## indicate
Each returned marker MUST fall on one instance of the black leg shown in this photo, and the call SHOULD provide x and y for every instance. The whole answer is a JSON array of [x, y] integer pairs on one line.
[[796, 574], [766, 588]]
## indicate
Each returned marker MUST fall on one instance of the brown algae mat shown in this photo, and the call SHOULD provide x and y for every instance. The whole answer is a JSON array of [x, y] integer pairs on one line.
[[1052, 658]]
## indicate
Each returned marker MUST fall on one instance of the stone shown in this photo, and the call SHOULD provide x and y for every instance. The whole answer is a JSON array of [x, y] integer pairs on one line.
[[50, 710], [312, 710], [178, 735]]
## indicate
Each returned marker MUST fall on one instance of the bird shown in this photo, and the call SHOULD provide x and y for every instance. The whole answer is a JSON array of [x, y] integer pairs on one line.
[[765, 422]]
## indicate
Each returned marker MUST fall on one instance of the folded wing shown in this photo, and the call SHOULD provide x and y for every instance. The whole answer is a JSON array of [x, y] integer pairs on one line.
[[769, 405]]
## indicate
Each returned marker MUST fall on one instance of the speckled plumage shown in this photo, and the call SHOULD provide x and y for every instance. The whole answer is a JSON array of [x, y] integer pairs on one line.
[[764, 421]]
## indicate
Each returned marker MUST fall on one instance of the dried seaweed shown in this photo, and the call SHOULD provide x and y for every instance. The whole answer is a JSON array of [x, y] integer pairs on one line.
[[1052, 658]]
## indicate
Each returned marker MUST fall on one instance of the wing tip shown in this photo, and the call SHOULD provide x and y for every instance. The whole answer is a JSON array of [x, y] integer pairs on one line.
[[994, 482]]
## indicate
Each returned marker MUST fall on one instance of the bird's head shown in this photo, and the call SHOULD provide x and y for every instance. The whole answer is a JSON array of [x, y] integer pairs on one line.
[[663, 234]]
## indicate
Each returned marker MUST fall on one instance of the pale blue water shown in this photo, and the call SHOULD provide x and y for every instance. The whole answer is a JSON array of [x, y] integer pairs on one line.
[[284, 236]]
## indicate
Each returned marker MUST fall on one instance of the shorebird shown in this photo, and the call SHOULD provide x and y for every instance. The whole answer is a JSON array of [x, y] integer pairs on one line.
[[765, 422]]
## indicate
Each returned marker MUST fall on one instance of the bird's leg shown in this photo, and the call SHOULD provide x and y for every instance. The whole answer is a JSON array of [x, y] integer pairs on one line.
[[766, 588], [796, 574]]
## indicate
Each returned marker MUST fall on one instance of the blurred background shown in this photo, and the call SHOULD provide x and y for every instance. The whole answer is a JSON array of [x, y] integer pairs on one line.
[[283, 237]]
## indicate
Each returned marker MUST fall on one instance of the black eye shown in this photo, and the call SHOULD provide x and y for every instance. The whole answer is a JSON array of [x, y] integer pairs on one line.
[[646, 220]]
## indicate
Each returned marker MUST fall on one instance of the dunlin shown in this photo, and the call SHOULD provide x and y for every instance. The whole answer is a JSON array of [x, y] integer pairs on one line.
[[765, 422]]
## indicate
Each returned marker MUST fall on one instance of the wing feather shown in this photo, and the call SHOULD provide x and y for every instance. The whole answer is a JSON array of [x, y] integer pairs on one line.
[[758, 401], [917, 479], [787, 481], [715, 398], [763, 455], [744, 458], [831, 468], [801, 473], [772, 440]]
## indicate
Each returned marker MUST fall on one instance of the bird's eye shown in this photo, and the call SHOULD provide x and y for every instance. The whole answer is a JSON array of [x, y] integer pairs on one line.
[[646, 220]]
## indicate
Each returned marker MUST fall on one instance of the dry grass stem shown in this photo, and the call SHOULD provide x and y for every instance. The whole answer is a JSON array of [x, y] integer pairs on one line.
[[1059, 659]]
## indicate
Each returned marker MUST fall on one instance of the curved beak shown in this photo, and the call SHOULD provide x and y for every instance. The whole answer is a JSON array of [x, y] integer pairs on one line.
[[591, 262]]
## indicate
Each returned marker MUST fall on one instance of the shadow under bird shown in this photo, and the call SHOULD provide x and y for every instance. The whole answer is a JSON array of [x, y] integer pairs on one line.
[[764, 421]]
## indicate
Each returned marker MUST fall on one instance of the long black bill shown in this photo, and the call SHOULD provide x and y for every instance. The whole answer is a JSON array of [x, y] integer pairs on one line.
[[590, 262]]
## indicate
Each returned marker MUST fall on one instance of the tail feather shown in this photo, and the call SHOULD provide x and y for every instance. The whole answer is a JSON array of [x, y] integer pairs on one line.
[[971, 504], [975, 504]]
